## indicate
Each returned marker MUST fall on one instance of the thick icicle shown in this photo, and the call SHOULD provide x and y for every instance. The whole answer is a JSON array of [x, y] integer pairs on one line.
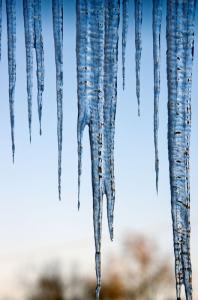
[[180, 44], [0, 25], [28, 14], [38, 44], [125, 17], [11, 33], [138, 46], [157, 18], [57, 11], [112, 17], [97, 54], [96, 124]]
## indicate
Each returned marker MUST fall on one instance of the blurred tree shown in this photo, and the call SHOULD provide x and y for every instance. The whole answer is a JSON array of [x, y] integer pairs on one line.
[[139, 272], [48, 288]]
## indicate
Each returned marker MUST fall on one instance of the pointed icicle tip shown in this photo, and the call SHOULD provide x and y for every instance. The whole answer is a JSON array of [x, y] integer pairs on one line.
[[157, 175], [59, 194], [13, 157], [98, 288], [112, 234], [13, 150], [78, 202], [40, 130], [79, 175], [30, 134]]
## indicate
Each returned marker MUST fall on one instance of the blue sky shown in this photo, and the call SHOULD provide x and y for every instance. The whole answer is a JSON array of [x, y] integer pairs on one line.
[[37, 229]]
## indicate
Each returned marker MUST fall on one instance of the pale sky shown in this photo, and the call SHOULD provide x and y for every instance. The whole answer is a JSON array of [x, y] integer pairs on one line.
[[35, 228]]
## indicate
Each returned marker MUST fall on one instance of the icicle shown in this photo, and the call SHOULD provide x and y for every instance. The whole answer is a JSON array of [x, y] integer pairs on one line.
[[57, 10], [28, 14], [97, 54], [138, 46], [84, 76], [11, 32], [0, 25], [180, 43], [125, 17], [38, 44], [157, 18], [110, 93], [96, 125]]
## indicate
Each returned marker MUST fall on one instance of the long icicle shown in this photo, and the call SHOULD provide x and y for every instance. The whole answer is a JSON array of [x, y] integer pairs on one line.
[[125, 17], [84, 76], [180, 44], [38, 44], [96, 125], [11, 33], [97, 55], [138, 46], [57, 11], [157, 18], [0, 25], [112, 18], [28, 14]]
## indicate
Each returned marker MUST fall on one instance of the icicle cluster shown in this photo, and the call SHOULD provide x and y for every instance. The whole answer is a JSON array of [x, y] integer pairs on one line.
[[11, 33], [138, 46], [57, 11], [125, 17], [97, 66], [33, 39], [180, 44], [97, 56], [157, 18]]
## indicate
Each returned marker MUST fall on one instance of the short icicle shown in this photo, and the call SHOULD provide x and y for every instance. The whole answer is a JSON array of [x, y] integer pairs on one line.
[[57, 11], [138, 46], [157, 19], [38, 44], [180, 51], [125, 17], [28, 14], [11, 33]]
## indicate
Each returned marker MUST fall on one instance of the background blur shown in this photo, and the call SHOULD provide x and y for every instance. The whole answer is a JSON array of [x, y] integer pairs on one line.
[[47, 246]]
